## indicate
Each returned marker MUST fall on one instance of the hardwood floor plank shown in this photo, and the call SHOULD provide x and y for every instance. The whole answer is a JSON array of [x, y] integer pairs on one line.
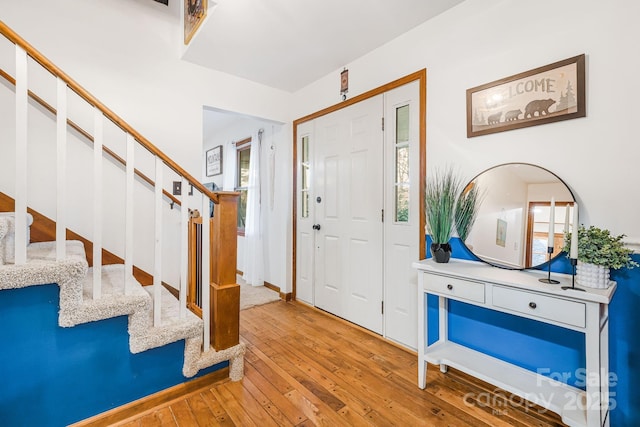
[[282, 385], [235, 407], [326, 378], [183, 415], [291, 412], [201, 412], [216, 408], [273, 410], [165, 416], [311, 404]]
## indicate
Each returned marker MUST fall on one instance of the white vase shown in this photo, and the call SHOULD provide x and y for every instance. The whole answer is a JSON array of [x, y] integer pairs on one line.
[[592, 276]]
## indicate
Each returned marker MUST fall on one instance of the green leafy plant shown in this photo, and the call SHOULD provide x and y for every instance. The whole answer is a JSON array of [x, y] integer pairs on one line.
[[441, 192], [467, 207], [599, 247]]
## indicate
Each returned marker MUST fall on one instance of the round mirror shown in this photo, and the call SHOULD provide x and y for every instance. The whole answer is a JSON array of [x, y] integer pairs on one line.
[[512, 227]]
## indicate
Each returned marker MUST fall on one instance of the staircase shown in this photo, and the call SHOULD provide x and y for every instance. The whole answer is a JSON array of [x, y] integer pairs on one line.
[[90, 291]]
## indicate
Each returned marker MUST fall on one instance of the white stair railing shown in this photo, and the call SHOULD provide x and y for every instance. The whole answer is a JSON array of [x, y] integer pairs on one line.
[[25, 57]]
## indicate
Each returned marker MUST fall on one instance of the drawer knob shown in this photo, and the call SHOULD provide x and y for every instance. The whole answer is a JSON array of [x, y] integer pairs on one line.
[[450, 286], [532, 305]]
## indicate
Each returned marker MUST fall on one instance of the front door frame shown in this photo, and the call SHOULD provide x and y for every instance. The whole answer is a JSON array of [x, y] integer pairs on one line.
[[420, 76]]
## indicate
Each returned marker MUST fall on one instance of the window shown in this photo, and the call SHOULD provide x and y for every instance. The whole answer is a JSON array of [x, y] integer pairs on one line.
[[402, 184], [243, 157], [304, 196]]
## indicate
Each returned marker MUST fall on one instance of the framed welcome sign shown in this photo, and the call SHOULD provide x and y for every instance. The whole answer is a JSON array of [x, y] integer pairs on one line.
[[543, 95]]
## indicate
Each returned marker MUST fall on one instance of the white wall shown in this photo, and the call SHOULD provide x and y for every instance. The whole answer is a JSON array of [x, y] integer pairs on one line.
[[480, 41]]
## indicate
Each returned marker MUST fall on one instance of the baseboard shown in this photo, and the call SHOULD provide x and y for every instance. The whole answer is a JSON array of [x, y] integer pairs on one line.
[[139, 406], [283, 296], [286, 297], [272, 287]]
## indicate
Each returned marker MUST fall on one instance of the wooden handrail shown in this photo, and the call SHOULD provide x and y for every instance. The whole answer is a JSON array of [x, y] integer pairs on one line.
[[87, 135], [88, 97]]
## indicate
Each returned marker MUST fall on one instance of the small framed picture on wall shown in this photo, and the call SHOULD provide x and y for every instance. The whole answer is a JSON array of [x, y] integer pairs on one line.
[[194, 13], [214, 161]]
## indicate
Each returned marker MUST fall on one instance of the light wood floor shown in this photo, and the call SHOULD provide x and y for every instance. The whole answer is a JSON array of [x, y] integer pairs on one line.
[[304, 368]]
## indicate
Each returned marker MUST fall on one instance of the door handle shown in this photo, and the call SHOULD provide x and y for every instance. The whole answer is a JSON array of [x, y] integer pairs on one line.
[[316, 226]]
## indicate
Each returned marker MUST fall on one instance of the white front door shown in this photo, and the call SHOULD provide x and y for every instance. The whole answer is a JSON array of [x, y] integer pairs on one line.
[[350, 175], [348, 203]]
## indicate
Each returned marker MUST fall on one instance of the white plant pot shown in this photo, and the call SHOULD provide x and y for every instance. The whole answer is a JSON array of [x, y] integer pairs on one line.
[[592, 276]]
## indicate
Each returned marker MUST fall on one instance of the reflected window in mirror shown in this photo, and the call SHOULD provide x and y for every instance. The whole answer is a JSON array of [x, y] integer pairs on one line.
[[538, 230]]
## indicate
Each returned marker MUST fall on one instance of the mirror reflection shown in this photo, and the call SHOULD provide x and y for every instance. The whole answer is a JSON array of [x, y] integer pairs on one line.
[[514, 226]]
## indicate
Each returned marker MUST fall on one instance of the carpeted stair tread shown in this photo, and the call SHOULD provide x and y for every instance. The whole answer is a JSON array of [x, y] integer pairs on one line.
[[172, 327], [42, 268], [113, 301]]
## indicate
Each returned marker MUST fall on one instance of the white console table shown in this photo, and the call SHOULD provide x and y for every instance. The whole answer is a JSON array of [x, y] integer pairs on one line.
[[520, 293]]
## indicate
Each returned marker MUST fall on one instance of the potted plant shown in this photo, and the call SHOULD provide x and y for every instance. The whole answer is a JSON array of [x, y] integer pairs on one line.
[[446, 208], [598, 252]]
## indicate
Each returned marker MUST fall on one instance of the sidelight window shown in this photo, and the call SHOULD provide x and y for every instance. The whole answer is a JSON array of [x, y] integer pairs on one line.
[[402, 182], [305, 170]]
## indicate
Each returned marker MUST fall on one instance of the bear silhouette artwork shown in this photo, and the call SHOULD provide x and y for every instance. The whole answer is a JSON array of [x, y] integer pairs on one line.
[[512, 115], [494, 119], [540, 106]]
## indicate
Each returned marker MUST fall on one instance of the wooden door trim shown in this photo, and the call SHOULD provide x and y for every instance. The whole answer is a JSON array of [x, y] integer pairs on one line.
[[421, 77]]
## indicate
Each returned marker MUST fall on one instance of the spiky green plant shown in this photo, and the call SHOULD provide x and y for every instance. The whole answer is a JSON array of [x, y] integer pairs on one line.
[[467, 208], [441, 191], [599, 247]]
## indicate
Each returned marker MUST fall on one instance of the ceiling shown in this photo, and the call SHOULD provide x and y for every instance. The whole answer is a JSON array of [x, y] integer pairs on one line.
[[288, 44]]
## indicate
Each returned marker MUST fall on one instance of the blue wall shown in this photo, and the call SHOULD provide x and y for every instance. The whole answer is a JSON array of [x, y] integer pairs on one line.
[[52, 376], [534, 345]]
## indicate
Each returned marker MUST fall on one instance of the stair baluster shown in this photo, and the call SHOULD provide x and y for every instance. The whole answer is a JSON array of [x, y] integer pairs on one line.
[[206, 273], [98, 138], [129, 210], [157, 263], [184, 251], [22, 100], [61, 171]]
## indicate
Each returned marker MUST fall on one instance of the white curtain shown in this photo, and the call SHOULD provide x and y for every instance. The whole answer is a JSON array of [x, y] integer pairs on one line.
[[253, 267], [272, 171]]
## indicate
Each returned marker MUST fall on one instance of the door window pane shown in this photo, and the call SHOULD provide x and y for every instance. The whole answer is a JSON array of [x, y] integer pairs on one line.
[[402, 183], [305, 172], [402, 124], [402, 203]]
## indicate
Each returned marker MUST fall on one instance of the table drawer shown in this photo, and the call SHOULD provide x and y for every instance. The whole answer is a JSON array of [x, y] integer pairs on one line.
[[540, 306], [452, 287]]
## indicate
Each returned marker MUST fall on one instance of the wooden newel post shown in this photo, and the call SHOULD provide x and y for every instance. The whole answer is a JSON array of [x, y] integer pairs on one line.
[[225, 292]]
